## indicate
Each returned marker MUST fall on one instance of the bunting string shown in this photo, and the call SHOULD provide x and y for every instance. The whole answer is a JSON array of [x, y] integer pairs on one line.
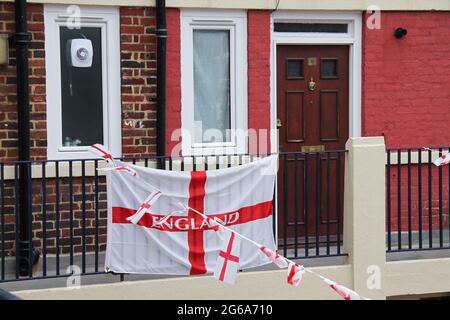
[[295, 270]]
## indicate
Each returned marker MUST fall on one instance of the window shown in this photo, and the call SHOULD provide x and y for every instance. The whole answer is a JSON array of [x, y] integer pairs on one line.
[[214, 81], [83, 91]]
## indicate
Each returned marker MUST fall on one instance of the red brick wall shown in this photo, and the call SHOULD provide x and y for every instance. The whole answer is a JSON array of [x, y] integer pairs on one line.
[[138, 95], [258, 25], [138, 68], [8, 99], [406, 91]]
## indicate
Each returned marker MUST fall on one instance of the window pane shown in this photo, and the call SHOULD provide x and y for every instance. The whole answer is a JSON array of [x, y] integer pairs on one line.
[[81, 91], [311, 27], [329, 68], [212, 85], [294, 69]]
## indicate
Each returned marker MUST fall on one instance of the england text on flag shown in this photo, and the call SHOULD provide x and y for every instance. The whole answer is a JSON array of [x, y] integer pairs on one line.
[[239, 198]]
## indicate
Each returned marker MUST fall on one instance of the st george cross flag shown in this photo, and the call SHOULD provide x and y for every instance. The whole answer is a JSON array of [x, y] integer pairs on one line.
[[276, 258], [295, 273], [185, 243], [344, 292], [227, 264], [100, 150], [121, 169], [442, 160]]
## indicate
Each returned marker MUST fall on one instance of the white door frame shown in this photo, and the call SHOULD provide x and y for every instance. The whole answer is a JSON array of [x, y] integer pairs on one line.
[[352, 38]]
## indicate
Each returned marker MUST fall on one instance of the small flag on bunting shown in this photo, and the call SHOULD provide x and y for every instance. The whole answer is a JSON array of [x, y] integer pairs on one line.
[[101, 151], [344, 292], [121, 169], [274, 257], [227, 264], [442, 160], [144, 207], [295, 273]]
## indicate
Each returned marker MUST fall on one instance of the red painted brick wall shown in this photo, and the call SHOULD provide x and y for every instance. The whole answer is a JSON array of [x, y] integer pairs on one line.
[[406, 91], [173, 82], [8, 99], [258, 74], [258, 25]]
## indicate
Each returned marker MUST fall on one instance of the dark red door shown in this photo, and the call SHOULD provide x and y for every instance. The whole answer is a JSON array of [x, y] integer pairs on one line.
[[312, 115]]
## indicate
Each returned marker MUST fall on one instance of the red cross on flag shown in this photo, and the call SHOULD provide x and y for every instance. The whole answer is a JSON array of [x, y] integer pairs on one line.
[[442, 160], [295, 273], [227, 264], [344, 292], [170, 237]]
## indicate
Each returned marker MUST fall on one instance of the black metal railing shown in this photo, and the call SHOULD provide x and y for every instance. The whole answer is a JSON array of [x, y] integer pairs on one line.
[[310, 203], [68, 213], [417, 199]]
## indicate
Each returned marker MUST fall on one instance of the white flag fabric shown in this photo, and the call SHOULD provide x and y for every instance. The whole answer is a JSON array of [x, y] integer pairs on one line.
[[343, 291], [295, 273], [227, 264], [120, 169], [276, 258], [185, 243], [442, 160]]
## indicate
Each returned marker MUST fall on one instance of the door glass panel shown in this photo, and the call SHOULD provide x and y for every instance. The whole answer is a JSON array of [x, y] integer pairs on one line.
[[294, 68], [328, 68], [212, 106], [81, 88]]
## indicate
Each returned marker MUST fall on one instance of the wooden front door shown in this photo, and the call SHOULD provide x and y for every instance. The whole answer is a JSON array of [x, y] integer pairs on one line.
[[312, 115]]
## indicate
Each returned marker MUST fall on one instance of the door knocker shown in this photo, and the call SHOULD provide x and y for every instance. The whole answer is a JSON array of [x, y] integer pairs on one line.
[[312, 84]]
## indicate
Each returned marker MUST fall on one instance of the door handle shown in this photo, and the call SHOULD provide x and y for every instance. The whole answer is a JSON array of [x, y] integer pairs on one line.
[[279, 125]]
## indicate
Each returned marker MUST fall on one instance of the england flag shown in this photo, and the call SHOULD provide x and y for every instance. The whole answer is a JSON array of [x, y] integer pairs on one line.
[[227, 264], [168, 236], [344, 292]]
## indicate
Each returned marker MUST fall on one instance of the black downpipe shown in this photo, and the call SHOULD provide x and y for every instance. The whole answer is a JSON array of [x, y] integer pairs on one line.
[[161, 34], [26, 254]]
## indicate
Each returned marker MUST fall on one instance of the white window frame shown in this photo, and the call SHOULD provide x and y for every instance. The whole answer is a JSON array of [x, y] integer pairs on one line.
[[106, 18], [236, 22]]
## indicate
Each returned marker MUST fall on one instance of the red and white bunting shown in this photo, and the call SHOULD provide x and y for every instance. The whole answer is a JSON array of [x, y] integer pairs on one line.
[[344, 292], [144, 207], [295, 273], [121, 169], [227, 264], [101, 151], [442, 160], [275, 257]]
